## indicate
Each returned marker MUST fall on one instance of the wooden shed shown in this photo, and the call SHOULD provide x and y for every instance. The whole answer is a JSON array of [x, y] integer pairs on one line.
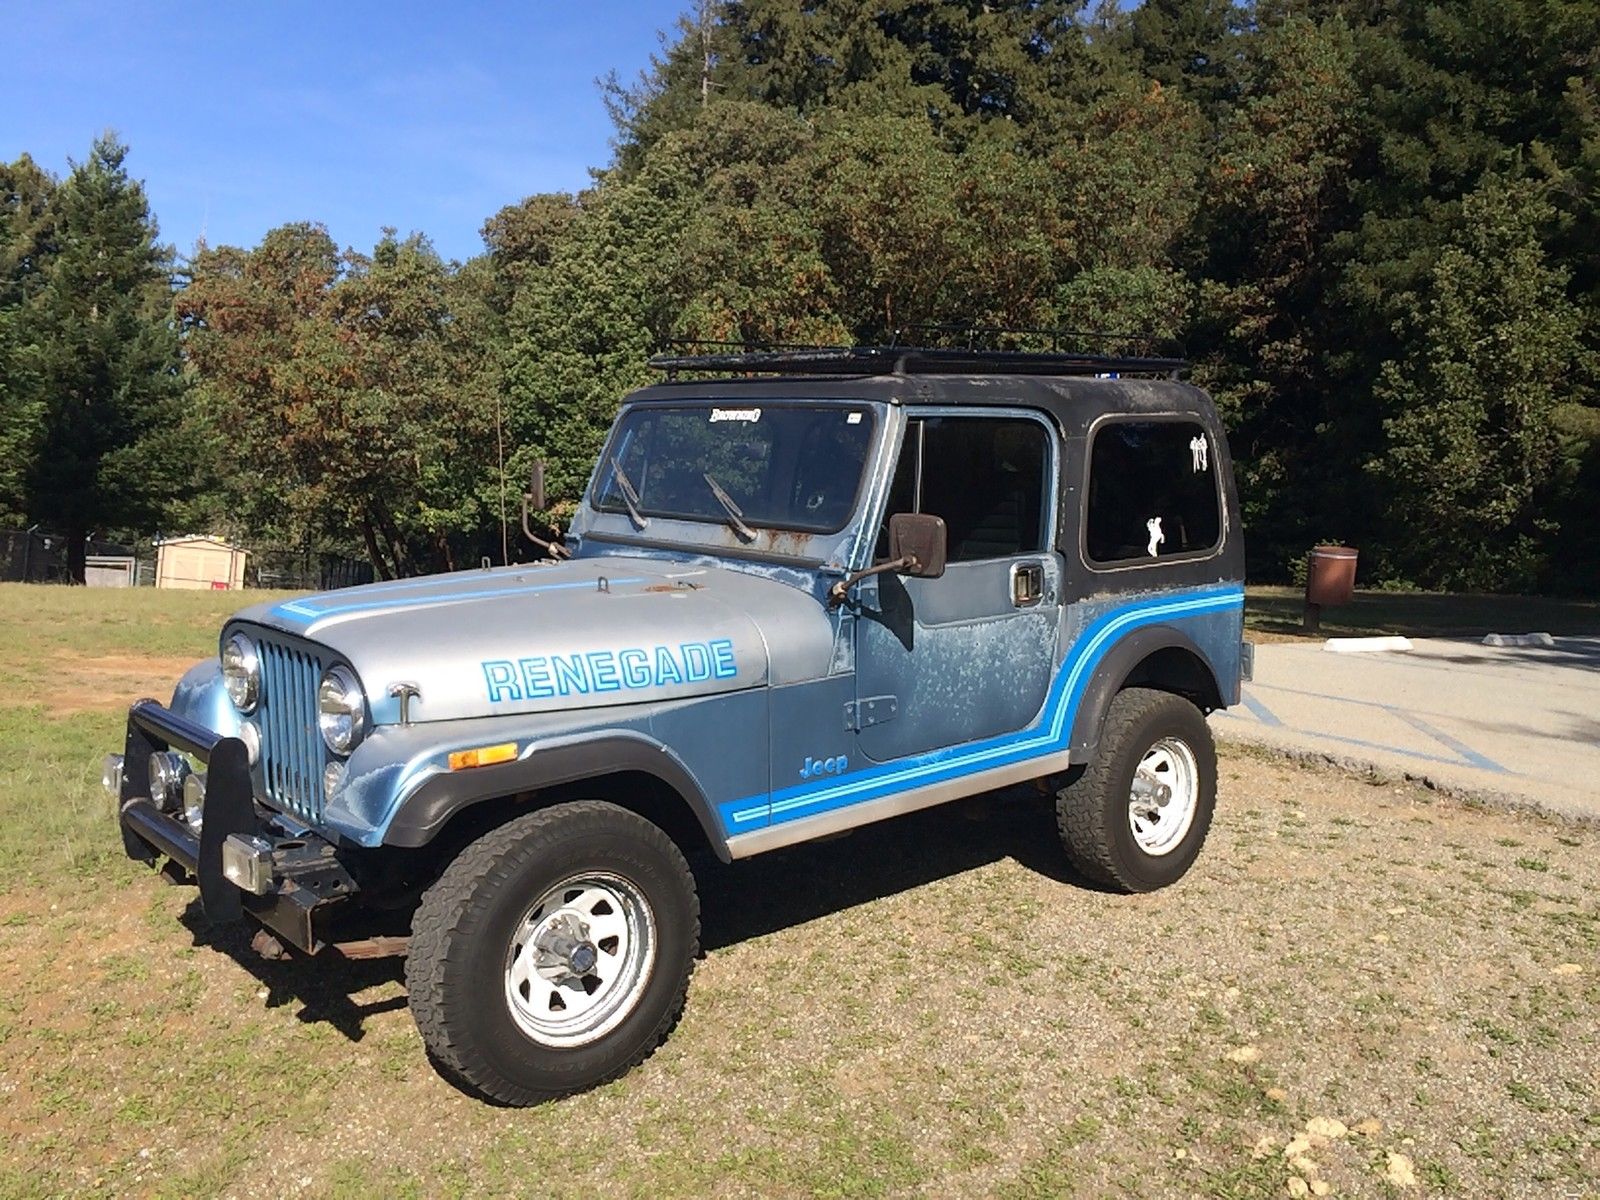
[[199, 562]]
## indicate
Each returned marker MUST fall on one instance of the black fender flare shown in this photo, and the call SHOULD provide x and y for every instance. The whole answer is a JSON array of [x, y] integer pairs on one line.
[[1113, 671], [424, 812]]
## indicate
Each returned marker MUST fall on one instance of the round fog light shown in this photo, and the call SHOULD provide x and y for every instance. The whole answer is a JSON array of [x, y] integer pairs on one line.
[[168, 770]]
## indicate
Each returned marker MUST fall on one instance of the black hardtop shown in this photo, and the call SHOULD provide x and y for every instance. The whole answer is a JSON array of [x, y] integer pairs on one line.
[[1075, 401]]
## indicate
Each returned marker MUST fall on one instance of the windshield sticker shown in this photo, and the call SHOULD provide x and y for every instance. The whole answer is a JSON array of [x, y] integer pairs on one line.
[[542, 677], [853, 419], [750, 415], [1198, 452]]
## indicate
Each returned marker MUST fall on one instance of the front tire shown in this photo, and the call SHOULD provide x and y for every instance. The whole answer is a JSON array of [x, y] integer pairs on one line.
[[554, 953], [1137, 816]]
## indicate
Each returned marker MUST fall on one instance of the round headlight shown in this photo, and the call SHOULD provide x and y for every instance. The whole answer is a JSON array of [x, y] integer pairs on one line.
[[241, 672], [339, 709]]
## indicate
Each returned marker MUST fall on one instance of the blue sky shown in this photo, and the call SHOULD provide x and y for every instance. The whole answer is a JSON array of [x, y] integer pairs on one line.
[[242, 116]]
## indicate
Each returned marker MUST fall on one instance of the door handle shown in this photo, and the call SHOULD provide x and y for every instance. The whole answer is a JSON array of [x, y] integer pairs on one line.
[[1027, 584]]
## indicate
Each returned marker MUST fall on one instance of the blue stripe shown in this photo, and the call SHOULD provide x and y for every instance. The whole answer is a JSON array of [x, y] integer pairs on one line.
[[1362, 742], [1262, 713], [293, 609], [1050, 733], [1438, 735]]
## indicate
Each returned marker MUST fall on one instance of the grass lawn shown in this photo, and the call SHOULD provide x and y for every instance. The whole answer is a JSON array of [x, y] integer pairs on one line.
[[1360, 988], [1277, 611]]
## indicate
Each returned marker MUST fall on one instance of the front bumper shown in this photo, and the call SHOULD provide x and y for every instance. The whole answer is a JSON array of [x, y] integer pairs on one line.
[[300, 872]]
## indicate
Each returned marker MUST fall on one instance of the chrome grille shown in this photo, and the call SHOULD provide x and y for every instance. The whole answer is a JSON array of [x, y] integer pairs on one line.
[[292, 751]]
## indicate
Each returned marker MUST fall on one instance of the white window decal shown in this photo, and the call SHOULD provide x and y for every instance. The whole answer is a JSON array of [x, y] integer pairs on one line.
[[735, 414], [1156, 536], [1199, 451]]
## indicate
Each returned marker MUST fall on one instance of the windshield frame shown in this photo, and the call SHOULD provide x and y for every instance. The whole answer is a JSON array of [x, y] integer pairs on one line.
[[605, 475]]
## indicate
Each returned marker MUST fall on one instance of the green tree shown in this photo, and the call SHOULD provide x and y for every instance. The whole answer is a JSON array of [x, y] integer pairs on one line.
[[27, 245], [345, 392], [1190, 45], [1472, 447], [1126, 170], [1275, 192], [99, 354], [960, 65], [581, 328]]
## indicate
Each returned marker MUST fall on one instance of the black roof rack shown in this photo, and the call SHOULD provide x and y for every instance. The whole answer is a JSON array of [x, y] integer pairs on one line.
[[910, 360]]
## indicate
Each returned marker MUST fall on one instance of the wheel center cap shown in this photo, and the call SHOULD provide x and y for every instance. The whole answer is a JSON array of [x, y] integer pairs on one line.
[[565, 949]]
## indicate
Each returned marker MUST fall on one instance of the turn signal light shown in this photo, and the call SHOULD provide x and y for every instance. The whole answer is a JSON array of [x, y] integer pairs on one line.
[[483, 756]]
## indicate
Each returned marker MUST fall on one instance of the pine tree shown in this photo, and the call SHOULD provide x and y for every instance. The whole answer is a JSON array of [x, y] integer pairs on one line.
[[101, 356], [26, 247]]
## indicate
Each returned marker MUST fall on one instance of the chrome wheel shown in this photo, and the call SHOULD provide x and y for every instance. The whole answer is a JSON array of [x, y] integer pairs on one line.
[[1164, 796], [580, 959]]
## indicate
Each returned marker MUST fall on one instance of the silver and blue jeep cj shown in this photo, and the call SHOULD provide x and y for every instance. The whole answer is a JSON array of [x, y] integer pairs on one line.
[[804, 591]]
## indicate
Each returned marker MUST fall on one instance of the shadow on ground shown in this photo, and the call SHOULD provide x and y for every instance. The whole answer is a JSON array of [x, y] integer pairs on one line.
[[325, 987], [762, 895], [738, 901]]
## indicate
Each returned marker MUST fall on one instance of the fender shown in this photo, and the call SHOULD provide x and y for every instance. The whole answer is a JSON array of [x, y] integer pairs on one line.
[[425, 811], [1118, 663]]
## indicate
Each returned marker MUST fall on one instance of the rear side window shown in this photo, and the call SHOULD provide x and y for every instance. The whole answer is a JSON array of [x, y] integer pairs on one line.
[[1152, 492]]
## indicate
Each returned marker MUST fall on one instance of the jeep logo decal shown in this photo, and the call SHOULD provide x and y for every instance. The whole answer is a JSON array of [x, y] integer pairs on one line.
[[815, 768]]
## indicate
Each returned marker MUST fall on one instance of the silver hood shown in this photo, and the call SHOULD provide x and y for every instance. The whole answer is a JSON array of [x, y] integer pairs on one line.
[[580, 634]]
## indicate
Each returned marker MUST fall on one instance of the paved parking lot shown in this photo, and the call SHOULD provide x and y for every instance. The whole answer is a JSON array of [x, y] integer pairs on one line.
[[1522, 722]]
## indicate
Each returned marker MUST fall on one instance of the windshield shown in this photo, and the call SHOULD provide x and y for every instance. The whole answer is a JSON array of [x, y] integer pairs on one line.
[[782, 467]]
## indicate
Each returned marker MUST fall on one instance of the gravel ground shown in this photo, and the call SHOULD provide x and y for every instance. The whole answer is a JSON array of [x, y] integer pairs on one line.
[[1361, 990]]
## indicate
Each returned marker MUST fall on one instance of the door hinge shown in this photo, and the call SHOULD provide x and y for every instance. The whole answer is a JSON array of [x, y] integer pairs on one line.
[[873, 710]]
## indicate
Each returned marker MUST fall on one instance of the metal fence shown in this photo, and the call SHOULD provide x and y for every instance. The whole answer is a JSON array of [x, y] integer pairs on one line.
[[40, 556], [279, 567]]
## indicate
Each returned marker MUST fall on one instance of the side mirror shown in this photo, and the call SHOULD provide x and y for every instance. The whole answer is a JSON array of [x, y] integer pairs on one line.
[[921, 538], [535, 493], [534, 500]]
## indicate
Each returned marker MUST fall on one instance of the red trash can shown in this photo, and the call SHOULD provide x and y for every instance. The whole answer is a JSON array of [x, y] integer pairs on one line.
[[1330, 575]]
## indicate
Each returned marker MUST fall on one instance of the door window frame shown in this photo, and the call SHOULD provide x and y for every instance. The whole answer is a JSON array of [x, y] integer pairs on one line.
[[1050, 483]]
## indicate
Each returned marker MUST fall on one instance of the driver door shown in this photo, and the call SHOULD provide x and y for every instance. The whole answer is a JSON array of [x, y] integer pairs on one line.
[[970, 655]]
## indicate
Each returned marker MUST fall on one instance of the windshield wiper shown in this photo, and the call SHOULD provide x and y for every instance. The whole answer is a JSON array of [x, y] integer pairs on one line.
[[629, 496], [735, 513]]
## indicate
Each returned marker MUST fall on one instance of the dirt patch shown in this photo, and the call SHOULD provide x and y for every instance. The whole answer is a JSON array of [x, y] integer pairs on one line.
[[1361, 990], [110, 681]]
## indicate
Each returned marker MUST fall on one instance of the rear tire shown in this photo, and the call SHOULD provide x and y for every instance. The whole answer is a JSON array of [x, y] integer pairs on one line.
[[554, 953], [1137, 816]]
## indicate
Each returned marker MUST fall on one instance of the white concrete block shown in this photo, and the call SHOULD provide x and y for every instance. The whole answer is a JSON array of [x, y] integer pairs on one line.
[[1365, 645], [1519, 639]]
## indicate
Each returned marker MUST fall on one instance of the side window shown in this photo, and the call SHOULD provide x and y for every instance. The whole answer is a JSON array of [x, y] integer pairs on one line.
[[986, 476], [1152, 492]]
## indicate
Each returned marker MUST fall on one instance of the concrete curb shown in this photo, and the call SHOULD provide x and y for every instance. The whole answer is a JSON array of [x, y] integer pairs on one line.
[[1376, 773]]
